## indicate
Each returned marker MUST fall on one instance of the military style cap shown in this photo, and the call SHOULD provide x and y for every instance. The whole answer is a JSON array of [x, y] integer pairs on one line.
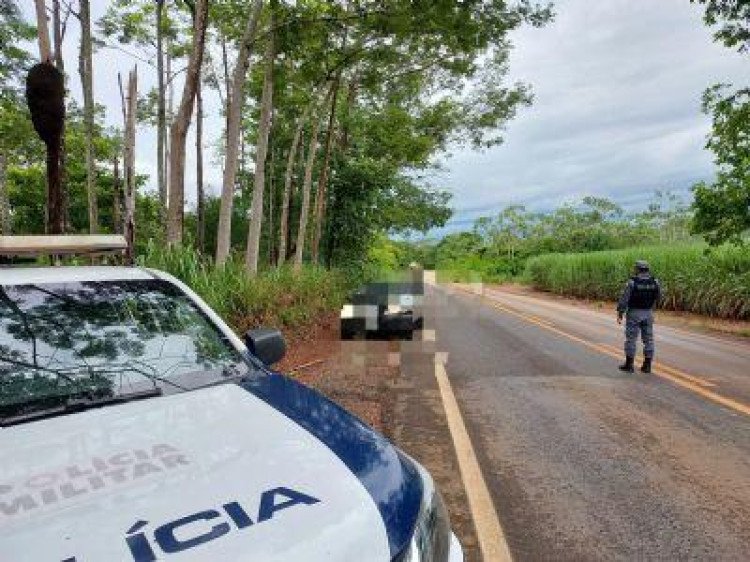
[[642, 265]]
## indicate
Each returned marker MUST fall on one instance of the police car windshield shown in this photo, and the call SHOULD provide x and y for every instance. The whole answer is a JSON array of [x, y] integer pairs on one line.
[[104, 339]]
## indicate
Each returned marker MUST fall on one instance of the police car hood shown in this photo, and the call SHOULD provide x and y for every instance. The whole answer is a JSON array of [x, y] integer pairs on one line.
[[267, 470]]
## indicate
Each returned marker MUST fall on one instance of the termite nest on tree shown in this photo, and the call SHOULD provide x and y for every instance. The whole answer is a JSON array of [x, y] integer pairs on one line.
[[45, 96]]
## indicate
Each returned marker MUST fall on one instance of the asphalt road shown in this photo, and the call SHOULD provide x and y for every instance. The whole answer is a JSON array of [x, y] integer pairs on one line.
[[584, 462]]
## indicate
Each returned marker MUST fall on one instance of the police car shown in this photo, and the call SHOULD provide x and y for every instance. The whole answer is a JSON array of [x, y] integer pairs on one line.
[[136, 426]]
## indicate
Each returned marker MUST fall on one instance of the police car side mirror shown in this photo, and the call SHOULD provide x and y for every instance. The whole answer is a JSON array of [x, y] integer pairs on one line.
[[266, 344]]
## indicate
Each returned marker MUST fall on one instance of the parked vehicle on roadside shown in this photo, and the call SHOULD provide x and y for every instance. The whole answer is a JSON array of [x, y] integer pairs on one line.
[[383, 311], [135, 425]]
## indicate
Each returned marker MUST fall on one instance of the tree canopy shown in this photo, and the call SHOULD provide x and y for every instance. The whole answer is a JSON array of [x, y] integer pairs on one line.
[[722, 207], [388, 85]]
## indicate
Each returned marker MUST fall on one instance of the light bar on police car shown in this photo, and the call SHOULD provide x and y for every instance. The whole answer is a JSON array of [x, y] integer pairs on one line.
[[56, 245]]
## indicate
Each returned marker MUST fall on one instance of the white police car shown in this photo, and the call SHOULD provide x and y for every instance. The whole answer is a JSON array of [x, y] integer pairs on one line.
[[135, 426]]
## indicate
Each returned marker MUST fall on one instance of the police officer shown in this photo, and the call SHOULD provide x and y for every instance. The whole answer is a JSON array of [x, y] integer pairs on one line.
[[640, 296]]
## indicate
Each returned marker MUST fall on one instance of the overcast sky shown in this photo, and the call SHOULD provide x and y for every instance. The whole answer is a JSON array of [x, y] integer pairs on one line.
[[617, 87]]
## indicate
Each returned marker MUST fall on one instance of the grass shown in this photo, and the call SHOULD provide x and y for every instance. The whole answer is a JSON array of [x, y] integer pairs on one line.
[[713, 282], [472, 269], [275, 297]]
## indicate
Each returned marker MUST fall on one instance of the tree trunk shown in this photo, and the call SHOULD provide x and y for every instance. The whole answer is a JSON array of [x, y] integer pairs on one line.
[[179, 129], [129, 163], [4, 203], [54, 200], [200, 192], [351, 99], [60, 64], [320, 195], [45, 51], [168, 122], [306, 186], [225, 64], [161, 112], [295, 200], [271, 201], [261, 152], [85, 69], [288, 175], [235, 99], [116, 196], [54, 222]]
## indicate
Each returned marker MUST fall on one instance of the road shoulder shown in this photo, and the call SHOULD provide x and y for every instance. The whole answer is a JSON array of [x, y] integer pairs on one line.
[[392, 387], [681, 320]]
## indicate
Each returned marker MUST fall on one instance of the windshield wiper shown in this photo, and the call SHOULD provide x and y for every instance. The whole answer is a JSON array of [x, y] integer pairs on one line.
[[78, 404], [229, 374]]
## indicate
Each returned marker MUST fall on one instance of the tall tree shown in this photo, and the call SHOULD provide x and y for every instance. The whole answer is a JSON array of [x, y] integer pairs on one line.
[[235, 101], [45, 50], [59, 25], [261, 152], [722, 208], [199, 187], [116, 195], [154, 27], [4, 203], [181, 124], [14, 34], [13, 58], [129, 109], [312, 150], [320, 194], [86, 71], [161, 111], [288, 178], [45, 96]]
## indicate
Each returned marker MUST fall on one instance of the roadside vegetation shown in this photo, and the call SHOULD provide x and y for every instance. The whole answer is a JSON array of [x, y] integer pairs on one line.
[[498, 247], [587, 250], [712, 282], [279, 297]]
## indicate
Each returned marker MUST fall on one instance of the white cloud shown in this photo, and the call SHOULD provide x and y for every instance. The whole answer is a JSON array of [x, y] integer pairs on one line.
[[617, 111]]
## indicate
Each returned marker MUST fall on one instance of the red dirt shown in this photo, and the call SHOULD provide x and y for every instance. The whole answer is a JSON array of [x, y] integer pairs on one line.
[[318, 358]]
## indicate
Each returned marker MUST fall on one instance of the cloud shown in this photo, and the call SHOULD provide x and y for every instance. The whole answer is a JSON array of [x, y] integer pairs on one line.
[[617, 110]]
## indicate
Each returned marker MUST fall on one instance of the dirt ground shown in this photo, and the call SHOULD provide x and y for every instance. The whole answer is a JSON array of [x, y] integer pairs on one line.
[[686, 320], [391, 386], [316, 357]]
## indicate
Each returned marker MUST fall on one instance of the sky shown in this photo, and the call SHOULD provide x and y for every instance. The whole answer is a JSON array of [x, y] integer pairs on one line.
[[617, 87]]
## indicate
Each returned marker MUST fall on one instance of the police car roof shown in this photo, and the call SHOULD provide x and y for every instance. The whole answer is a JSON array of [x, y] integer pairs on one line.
[[71, 274]]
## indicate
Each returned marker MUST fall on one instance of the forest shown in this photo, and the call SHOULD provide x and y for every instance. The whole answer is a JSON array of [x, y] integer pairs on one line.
[[331, 112]]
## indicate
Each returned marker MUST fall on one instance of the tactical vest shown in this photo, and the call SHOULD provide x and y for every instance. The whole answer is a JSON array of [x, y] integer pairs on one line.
[[643, 294]]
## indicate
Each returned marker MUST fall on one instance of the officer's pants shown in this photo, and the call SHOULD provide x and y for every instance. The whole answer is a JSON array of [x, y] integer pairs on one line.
[[639, 321]]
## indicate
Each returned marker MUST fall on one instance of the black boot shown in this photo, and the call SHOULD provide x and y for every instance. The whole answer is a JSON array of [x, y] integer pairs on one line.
[[646, 367], [627, 366]]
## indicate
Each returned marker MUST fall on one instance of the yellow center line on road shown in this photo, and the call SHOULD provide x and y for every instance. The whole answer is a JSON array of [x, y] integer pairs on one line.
[[490, 534], [689, 382], [662, 367]]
